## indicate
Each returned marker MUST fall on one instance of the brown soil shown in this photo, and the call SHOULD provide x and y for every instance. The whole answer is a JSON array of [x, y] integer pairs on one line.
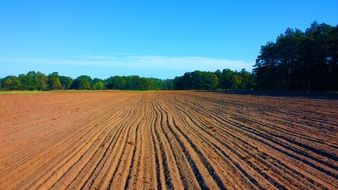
[[165, 140]]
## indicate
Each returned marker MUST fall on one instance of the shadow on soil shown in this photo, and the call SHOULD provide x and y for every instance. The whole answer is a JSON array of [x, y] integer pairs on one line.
[[300, 94]]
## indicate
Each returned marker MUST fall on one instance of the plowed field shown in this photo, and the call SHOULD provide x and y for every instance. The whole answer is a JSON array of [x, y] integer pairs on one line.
[[164, 140]]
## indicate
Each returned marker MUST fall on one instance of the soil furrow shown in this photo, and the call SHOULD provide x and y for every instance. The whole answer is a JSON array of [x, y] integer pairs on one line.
[[167, 140]]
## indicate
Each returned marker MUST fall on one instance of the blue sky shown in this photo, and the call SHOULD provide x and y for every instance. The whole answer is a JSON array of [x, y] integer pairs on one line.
[[162, 38]]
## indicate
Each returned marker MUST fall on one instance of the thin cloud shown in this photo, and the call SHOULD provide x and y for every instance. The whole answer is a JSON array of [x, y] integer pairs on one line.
[[145, 65]]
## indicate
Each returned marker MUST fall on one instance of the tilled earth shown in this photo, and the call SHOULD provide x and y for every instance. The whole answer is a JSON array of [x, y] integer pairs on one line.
[[165, 140]]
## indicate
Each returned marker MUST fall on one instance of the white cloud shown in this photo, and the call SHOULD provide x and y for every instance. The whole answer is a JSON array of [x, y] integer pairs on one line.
[[132, 64]]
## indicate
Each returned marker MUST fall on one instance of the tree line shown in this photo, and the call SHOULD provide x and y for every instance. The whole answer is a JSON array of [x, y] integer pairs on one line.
[[297, 60], [39, 81], [300, 60], [226, 79], [197, 80]]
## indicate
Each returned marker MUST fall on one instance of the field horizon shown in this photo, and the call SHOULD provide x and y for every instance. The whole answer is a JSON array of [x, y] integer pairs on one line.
[[193, 95]]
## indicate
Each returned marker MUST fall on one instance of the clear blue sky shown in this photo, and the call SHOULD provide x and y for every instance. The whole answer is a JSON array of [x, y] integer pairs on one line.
[[159, 38]]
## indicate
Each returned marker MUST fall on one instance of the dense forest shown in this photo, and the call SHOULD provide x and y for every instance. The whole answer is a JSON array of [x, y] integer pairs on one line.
[[202, 80], [39, 81], [298, 60], [193, 80]]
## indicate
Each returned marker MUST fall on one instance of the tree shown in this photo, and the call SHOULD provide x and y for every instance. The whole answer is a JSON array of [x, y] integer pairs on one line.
[[98, 84], [219, 76], [198, 80], [54, 81], [82, 82], [116, 82], [169, 84], [133, 83], [42, 81], [11, 83], [205, 80], [34, 81], [246, 81], [227, 79], [300, 60], [66, 82]]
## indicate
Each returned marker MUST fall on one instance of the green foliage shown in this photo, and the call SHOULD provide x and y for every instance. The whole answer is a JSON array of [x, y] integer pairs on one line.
[[197, 80], [300, 60], [98, 84], [82, 82], [168, 84], [33, 81], [38, 81], [10, 83], [227, 79], [66, 82], [137, 83], [116, 82], [201, 80], [54, 82]]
